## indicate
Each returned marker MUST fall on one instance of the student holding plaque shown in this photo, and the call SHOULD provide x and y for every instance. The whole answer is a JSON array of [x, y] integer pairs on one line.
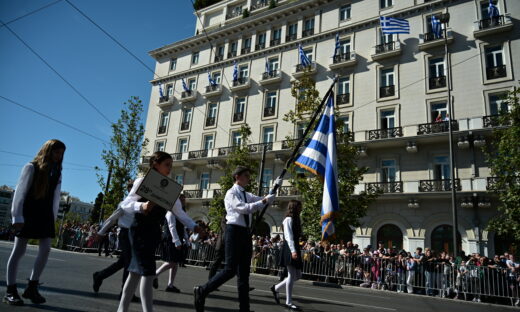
[[145, 236]]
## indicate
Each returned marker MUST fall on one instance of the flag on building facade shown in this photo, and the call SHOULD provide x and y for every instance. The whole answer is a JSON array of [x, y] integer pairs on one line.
[[184, 86], [436, 27], [337, 47], [235, 71], [161, 94], [212, 81], [304, 60], [392, 25], [493, 10]]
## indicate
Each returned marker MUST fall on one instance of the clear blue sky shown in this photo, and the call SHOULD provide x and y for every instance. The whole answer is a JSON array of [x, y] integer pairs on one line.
[[104, 73]]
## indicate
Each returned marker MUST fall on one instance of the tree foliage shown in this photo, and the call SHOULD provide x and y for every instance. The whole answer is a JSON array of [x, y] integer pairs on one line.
[[96, 210], [123, 153], [352, 207], [240, 155], [503, 156]]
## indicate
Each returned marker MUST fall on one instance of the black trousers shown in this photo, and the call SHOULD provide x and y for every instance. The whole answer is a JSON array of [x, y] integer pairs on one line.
[[217, 262], [238, 261], [124, 259], [103, 244]]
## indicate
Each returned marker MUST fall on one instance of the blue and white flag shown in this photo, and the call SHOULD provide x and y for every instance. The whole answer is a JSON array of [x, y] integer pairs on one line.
[[235, 71], [319, 157], [392, 25], [493, 10], [436, 27], [304, 60], [337, 46], [212, 81], [161, 94], [267, 67], [184, 86]]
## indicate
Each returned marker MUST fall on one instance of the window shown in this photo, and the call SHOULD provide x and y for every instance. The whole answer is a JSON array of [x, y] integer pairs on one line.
[[169, 90], [159, 146], [204, 181], [212, 110], [173, 63], [300, 129], [186, 118], [346, 124], [484, 8], [385, 38], [183, 146], [309, 53], [267, 177], [240, 106], [246, 43], [386, 3], [209, 141], [216, 76], [260, 39], [292, 32], [236, 138], [243, 71], [344, 85], [498, 103], [220, 50], [163, 122], [192, 84], [274, 64], [388, 170], [309, 24], [344, 12], [387, 77], [495, 65], [270, 104], [195, 58], [233, 46], [179, 178], [276, 34], [439, 111], [388, 119], [437, 77], [268, 134], [441, 168], [345, 46]]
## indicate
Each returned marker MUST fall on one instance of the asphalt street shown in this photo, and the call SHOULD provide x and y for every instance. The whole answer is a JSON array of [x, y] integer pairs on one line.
[[67, 286]]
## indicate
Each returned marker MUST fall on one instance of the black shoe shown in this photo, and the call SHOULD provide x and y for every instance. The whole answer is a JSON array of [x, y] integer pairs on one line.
[[136, 299], [276, 295], [155, 283], [198, 298], [11, 296], [172, 289], [97, 281], [31, 292]]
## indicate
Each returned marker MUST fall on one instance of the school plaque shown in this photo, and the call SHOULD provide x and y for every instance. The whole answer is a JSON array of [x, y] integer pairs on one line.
[[159, 189]]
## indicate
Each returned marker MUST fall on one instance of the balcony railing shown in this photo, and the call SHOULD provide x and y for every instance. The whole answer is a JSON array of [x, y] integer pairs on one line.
[[238, 117], [212, 88], [219, 58], [387, 91], [193, 193], [269, 111], [494, 121], [301, 68], [437, 127], [164, 99], [198, 154], [437, 82], [186, 94], [275, 42], [217, 192], [342, 57], [245, 50], [386, 47], [308, 32], [290, 37], [385, 133], [343, 98], [347, 136], [496, 72], [259, 4], [254, 148], [161, 130], [438, 185], [260, 46], [286, 144], [384, 187], [176, 156], [288, 191], [223, 151], [234, 13], [185, 125], [231, 54], [491, 22], [491, 183], [240, 81], [433, 36], [210, 121], [270, 74]]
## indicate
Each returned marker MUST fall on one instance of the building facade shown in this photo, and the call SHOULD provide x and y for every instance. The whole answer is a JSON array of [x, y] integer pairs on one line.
[[392, 93], [6, 199]]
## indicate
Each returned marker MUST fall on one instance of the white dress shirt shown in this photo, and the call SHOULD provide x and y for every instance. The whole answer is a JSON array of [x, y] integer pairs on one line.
[[172, 226], [236, 206], [22, 189], [288, 233], [132, 204]]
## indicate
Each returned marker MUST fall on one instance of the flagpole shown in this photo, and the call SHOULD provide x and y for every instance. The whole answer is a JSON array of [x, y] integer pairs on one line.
[[295, 151]]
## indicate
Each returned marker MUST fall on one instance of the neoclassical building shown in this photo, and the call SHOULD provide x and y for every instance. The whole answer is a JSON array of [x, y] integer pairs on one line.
[[392, 93]]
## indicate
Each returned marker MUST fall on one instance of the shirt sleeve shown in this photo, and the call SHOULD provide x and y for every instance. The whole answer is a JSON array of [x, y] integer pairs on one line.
[[57, 199], [111, 220], [22, 188], [288, 233], [182, 216], [236, 202], [131, 203], [172, 226]]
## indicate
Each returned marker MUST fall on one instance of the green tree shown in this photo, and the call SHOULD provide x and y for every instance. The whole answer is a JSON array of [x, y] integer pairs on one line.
[[123, 153], [351, 207], [96, 210], [240, 155], [503, 156]]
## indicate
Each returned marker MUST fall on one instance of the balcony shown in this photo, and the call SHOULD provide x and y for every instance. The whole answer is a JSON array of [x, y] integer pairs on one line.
[[256, 148], [234, 13], [275, 42], [492, 121], [238, 117], [165, 101], [146, 159], [193, 193], [289, 144], [346, 137], [185, 125], [491, 183], [217, 192], [271, 76], [240, 84], [290, 37], [161, 130], [342, 99], [231, 54], [213, 90], [223, 151], [386, 50], [437, 82], [437, 127], [384, 187], [269, 111], [387, 91], [245, 50], [299, 70], [188, 96], [219, 58], [260, 46], [384, 133], [438, 185], [308, 32], [496, 72], [210, 121], [288, 191], [494, 25], [431, 40], [198, 154], [258, 5], [344, 60]]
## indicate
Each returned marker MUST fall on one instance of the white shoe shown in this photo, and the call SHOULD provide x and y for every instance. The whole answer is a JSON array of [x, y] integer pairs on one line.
[[478, 300], [292, 307]]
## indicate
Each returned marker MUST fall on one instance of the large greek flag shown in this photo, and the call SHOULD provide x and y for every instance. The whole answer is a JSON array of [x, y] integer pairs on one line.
[[184, 86], [304, 60], [160, 91], [337, 46], [493, 10], [319, 157], [436, 27], [235, 71], [392, 25]]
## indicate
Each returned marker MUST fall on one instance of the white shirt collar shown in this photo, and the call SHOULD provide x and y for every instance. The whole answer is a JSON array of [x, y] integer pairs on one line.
[[240, 188]]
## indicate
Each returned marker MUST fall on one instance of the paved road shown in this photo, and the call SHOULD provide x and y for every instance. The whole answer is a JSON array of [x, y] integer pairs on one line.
[[68, 287]]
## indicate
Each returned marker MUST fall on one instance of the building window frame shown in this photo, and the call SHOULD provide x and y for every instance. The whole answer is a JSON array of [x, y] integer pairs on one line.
[[244, 109], [262, 132], [173, 64], [164, 121], [195, 58], [183, 148], [345, 12], [379, 73], [159, 145], [506, 61]]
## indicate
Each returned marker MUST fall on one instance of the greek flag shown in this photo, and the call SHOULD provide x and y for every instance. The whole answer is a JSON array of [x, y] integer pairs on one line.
[[212, 81], [436, 27], [319, 157], [184, 86], [235, 71], [160, 91], [337, 46], [267, 68], [304, 60], [493, 10], [391, 25]]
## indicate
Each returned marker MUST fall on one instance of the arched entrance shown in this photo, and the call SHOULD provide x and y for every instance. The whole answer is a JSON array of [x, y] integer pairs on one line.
[[390, 235], [442, 239]]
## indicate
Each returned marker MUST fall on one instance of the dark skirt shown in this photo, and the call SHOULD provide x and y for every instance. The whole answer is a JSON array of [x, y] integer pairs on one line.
[[38, 219], [143, 244], [168, 251], [286, 258]]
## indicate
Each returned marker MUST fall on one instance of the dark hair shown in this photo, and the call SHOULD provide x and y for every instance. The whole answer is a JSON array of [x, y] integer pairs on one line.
[[158, 157], [239, 170], [292, 207]]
